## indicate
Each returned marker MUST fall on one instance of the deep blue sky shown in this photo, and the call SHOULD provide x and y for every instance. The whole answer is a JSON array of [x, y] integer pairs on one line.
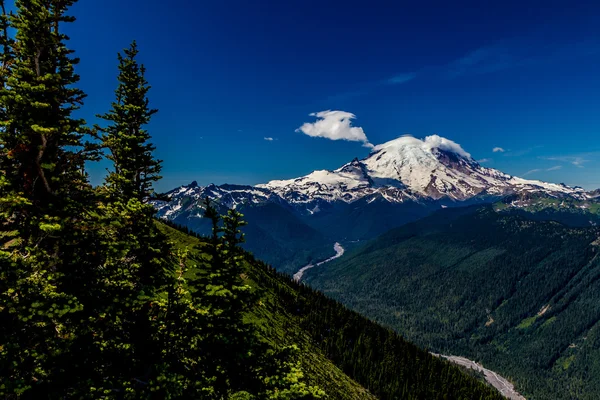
[[522, 75]]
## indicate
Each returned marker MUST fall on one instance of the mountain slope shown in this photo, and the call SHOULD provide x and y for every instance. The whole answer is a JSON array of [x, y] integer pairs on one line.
[[520, 296], [342, 352]]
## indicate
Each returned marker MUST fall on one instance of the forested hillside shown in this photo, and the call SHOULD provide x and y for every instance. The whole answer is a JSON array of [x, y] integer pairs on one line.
[[339, 346], [519, 295]]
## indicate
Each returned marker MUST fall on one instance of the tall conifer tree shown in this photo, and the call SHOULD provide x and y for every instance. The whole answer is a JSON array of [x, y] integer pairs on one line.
[[239, 364], [44, 199], [135, 168], [138, 261]]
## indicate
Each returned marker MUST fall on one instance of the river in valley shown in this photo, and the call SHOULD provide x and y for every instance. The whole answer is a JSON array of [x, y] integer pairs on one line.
[[339, 251]]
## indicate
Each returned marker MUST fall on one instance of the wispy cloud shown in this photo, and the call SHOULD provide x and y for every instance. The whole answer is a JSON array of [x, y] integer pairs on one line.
[[268, 139], [488, 59], [401, 78], [576, 160], [335, 125], [364, 89], [532, 171], [494, 57], [484, 160], [518, 52], [498, 150], [519, 153]]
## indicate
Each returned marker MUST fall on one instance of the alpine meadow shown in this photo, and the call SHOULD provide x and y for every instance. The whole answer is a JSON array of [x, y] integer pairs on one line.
[[170, 229]]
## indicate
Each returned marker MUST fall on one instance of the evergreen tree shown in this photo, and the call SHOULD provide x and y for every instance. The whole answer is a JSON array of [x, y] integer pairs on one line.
[[44, 199], [138, 262], [135, 168], [128, 186], [242, 367], [6, 44]]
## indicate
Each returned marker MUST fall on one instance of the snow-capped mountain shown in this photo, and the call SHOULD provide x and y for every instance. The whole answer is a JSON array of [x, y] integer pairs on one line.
[[405, 169], [409, 168], [190, 198]]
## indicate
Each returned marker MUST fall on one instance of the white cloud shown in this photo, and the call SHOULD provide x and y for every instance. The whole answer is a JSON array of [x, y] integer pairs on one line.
[[555, 168], [531, 171], [438, 142], [269, 139], [498, 150], [429, 143], [484, 160], [335, 125]]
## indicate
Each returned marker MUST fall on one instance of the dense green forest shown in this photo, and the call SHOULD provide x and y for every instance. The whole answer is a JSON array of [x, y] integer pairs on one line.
[[99, 300], [519, 295], [341, 340]]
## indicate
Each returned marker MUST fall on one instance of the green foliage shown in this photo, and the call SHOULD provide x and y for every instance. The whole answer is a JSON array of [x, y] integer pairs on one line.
[[93, 298], [340, 344], [44, 198], [520, 296], [135, 168], [96, 302]]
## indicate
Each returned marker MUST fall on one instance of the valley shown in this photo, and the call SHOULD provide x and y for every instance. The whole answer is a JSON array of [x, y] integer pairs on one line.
[[358, 359], [517, 295]]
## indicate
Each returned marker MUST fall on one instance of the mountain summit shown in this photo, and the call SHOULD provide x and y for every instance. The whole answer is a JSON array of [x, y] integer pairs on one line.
[[433, 168]]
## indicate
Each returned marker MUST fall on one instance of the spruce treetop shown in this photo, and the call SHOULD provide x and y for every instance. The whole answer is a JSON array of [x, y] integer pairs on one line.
[[128, 143]]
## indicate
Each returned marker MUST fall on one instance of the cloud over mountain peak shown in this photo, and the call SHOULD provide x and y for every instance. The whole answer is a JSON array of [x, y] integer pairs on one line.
[[335, 125]]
